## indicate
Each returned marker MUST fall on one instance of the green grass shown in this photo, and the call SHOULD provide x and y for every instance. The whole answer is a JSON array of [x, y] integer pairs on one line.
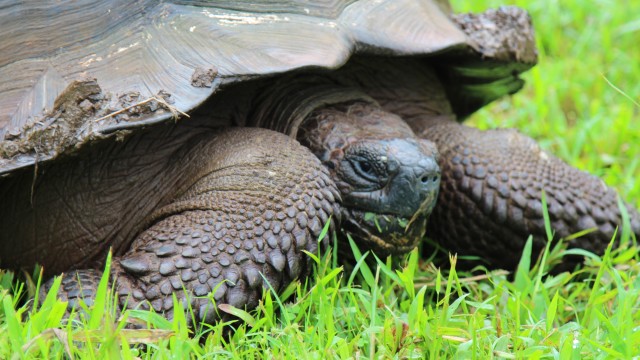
[[578, 103]]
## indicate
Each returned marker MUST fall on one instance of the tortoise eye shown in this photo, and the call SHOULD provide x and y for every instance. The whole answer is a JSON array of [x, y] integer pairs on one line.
[[365, 168]]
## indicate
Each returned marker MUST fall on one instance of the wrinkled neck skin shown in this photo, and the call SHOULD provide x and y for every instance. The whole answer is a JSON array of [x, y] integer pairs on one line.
[[388, 178]]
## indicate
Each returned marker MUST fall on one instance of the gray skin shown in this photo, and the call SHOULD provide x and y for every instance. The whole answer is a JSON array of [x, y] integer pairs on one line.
[[187, 207]]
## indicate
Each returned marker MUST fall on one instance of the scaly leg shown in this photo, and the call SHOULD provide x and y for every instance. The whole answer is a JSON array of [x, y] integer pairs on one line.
[[491, 196], [261, 201]]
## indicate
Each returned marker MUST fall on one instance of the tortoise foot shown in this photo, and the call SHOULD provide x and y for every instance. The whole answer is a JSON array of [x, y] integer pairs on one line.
[[75, 285]]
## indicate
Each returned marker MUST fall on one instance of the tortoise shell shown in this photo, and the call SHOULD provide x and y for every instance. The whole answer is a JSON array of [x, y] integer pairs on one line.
[[75, 71]]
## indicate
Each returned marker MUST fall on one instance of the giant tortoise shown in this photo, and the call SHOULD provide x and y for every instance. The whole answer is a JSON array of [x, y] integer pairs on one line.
[[208, 143]]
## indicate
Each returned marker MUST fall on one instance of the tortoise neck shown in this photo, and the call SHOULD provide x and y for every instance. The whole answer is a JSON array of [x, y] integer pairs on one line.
[[285, 105]]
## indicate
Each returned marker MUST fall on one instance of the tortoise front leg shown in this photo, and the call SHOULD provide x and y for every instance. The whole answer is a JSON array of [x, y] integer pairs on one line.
[[491, 196], [262, 200]]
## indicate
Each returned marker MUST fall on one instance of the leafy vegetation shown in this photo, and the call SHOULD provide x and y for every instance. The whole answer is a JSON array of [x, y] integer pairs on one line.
[[580, 103]]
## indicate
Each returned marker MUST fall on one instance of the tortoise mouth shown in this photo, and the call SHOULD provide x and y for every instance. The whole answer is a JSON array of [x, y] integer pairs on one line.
[[385, 234]]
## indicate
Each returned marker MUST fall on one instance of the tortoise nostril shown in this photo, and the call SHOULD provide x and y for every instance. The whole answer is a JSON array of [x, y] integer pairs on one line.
[[426, 179]]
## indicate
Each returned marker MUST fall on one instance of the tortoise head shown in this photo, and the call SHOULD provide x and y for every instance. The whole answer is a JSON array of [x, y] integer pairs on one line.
[[388, 178]]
